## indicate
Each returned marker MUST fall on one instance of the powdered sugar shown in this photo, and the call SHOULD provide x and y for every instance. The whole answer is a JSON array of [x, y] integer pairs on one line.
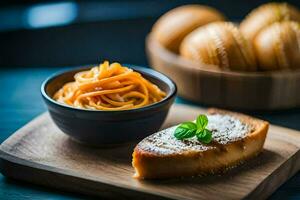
[[225, 129]]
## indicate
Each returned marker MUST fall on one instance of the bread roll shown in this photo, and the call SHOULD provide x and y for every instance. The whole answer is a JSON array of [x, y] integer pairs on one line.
[[173, 26], [221, 44], [278, 46], [266, 15]]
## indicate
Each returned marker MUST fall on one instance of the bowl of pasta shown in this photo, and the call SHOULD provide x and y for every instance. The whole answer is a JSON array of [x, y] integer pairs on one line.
[[109, 103]]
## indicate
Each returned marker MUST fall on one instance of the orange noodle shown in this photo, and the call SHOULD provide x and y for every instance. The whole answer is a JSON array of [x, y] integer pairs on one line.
[[109, 87]]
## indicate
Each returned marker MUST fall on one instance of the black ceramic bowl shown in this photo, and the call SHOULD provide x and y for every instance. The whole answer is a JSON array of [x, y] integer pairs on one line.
[[99, 128]]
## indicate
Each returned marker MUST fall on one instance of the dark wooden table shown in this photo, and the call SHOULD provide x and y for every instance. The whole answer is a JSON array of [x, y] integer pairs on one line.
[[21, 101]]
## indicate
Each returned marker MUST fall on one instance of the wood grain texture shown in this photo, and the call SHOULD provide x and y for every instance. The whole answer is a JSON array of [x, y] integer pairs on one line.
[[42, 154], [209, 85]]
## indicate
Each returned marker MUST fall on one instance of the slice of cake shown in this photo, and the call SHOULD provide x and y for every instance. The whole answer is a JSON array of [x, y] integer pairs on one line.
[[235, 138]]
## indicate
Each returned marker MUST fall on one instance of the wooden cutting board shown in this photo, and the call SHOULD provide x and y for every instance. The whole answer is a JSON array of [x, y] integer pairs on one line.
[[42, 154]]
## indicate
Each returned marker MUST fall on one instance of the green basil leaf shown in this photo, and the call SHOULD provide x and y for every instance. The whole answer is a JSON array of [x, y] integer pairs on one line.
[[191, 129], [204, 136], [188, 125], [201, 122], [185, 130]]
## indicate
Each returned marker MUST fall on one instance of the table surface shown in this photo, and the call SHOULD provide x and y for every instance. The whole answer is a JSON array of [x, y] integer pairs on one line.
[[21, 101]]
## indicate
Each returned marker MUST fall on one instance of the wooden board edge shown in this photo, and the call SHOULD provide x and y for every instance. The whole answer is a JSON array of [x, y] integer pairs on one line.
[[268, 186], [20, 169]]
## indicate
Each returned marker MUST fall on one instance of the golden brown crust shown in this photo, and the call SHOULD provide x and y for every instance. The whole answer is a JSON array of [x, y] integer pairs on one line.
[[152, 166]]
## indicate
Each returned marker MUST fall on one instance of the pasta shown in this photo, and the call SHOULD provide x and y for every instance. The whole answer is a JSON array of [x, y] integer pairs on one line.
[[109, 87]]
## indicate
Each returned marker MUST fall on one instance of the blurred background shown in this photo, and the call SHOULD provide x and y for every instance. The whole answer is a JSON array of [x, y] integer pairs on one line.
[[64, 33]]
